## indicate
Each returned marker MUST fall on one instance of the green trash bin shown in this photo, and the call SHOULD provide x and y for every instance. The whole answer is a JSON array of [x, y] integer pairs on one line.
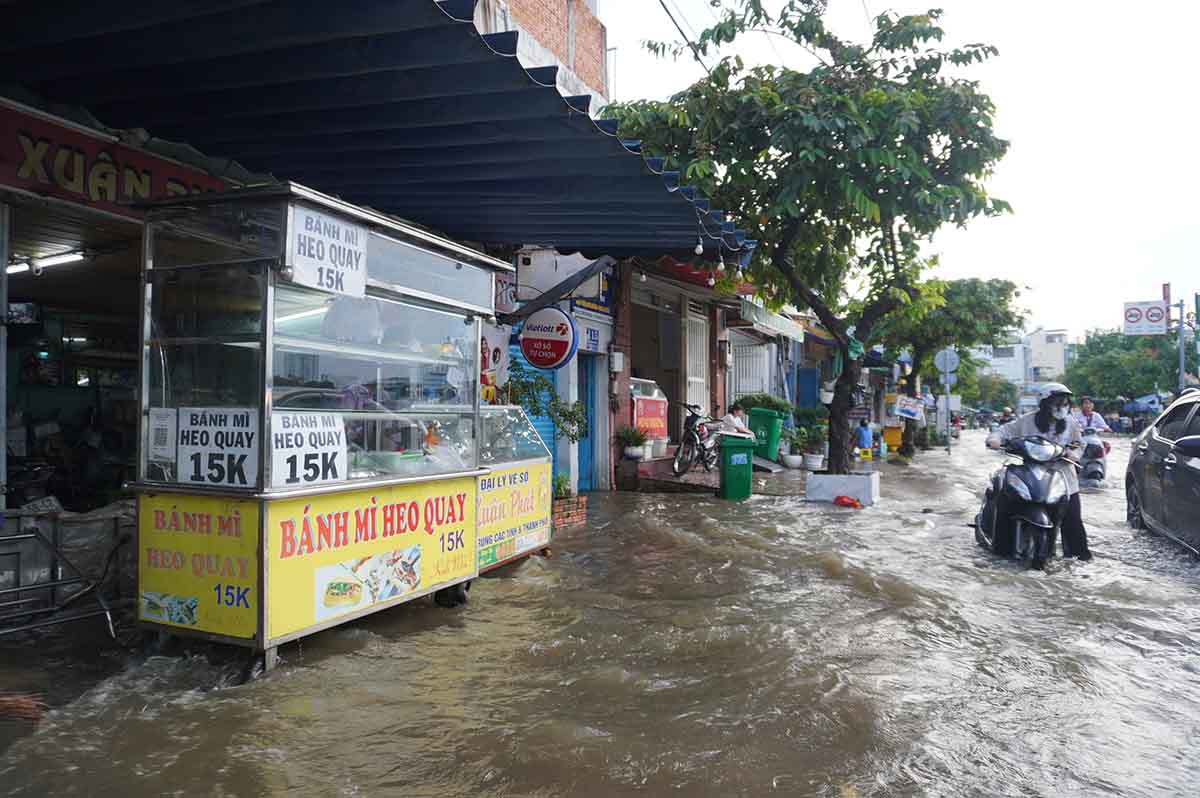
[[767, 426], [737, 467]]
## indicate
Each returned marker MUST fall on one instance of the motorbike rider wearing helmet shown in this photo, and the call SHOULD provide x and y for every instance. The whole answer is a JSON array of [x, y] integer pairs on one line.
[[1053, 421]]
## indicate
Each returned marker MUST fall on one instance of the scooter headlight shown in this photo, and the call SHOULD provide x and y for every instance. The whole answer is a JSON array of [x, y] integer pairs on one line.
[[1058, 489], [1041, 451], [1017, 486]]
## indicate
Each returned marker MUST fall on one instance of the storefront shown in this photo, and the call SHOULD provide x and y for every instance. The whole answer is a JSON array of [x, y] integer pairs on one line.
[[313, 447]]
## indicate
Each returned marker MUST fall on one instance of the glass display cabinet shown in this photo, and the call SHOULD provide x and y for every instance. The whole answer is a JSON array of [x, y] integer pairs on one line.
[[312, 443]]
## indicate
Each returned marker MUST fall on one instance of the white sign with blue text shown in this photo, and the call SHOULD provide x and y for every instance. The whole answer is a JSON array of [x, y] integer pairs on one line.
[[328, 254]]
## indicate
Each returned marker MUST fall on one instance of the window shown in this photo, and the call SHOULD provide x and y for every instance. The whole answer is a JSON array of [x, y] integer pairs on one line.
[[398, 376], [1173, 424], [1056, 338], [1004, 352], [1193, 427]]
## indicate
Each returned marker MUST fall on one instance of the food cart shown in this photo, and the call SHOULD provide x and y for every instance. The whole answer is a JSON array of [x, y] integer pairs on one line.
[[312, 446]]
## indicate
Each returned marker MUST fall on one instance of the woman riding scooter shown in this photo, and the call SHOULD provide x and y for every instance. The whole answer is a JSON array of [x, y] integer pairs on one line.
[[1053, 421]]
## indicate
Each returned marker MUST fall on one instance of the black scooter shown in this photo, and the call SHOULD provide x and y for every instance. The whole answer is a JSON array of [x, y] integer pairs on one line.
[[1025, 503]]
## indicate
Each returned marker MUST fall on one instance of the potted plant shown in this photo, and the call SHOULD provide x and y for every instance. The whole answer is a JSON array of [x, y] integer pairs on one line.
[[568, 509], [796, 438], [814, 447], [634, 442]]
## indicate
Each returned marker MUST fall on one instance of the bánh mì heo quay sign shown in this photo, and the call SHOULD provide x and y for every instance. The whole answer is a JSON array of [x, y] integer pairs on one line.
[[52, 159]]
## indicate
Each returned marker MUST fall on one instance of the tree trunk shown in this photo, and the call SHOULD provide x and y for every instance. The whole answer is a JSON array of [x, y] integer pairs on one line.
[[840, 434]]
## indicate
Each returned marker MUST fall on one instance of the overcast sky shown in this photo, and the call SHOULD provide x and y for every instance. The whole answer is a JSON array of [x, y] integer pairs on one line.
[[1100, 104]]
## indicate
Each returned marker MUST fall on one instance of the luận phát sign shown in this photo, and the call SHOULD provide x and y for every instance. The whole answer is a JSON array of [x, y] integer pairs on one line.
[[514, 512]]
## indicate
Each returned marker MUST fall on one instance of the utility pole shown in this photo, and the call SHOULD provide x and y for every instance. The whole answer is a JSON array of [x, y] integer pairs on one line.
[[1182, 347]]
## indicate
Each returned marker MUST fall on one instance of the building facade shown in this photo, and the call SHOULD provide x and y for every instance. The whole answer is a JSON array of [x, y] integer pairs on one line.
[[563, 33]]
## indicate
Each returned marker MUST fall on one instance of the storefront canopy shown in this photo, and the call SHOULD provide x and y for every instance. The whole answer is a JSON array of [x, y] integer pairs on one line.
[[401, 105]]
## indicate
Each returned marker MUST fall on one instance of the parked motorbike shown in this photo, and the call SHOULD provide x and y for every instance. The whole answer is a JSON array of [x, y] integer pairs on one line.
[[1035, 502], [1092, 463], [699, 442]]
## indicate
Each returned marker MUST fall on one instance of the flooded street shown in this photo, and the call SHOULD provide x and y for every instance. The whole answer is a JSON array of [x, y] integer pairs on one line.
[[692, 646]]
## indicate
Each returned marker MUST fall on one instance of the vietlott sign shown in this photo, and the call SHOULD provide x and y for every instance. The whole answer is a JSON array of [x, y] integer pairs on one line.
[[54, 159]]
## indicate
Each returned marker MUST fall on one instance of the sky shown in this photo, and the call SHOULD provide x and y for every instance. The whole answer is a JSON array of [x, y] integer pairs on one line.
[[1099, 102]]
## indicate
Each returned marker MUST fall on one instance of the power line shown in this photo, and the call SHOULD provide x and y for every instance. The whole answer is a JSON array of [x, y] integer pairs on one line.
[[695, 49]]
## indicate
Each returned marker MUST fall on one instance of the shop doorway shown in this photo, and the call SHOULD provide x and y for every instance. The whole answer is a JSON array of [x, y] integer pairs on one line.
[[697, 362], [586, 364], [656, 353]]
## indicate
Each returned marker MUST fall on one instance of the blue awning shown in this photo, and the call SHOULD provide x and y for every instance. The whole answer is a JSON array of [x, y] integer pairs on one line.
[[400, 105]]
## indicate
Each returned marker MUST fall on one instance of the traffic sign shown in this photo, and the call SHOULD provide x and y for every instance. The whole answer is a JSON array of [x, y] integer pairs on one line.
[[949, 379], [946, 360]]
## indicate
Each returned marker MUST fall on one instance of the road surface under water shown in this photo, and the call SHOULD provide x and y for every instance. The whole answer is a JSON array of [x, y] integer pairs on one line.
[[686, 645]]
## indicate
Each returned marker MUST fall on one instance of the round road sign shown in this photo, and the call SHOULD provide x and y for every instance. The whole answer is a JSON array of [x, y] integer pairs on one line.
[[946, 360], [1154, 314], [1133, 315]]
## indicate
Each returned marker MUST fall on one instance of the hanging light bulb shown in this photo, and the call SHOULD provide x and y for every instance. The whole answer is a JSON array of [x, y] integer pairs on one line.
[[699, 245], [721, 264], [740, 276], [711, 281], [642, 276]]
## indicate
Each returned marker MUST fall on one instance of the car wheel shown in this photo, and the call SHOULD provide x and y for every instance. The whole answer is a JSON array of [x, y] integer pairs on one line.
[[1133, 507]]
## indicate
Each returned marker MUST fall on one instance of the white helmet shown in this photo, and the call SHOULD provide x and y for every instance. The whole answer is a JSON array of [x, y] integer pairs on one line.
[[1052, 390]]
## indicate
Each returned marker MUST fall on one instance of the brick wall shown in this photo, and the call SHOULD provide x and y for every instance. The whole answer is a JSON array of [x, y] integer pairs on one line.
[[548, 22]]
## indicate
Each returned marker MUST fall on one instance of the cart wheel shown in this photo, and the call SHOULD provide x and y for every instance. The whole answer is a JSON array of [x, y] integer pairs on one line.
[[452, 596]]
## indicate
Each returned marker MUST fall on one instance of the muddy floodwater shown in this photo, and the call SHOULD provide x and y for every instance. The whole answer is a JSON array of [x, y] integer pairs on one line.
[[681, 645]]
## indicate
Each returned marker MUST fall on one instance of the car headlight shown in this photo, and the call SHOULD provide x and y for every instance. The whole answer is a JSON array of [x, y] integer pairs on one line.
[[1058, 489], [1014, 482]]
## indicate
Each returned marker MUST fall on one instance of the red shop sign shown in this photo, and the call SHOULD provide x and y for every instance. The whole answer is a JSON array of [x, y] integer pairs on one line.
[[650, 416], [53, 159]]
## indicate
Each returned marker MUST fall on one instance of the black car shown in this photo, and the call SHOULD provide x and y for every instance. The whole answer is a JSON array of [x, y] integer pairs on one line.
[[1162, 483]]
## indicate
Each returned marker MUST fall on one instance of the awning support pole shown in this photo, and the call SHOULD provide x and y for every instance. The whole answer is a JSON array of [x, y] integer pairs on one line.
[[5, 218], [559, 291]]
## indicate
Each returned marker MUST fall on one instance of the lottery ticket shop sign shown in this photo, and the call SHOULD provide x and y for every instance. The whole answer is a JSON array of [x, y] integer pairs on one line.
[[549, 338]]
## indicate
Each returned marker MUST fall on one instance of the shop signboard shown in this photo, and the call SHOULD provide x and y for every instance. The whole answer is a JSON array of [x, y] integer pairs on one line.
[[1146, 318], [908, 407], [549, 338], [66, 161], [595, 329], [198, 563], [343, 554], [307, 449], [514, 512], [218, 446], [650, 416], [327, 253]]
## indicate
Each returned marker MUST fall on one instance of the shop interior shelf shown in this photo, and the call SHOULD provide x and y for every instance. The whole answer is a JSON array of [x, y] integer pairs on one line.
[[373, 353]]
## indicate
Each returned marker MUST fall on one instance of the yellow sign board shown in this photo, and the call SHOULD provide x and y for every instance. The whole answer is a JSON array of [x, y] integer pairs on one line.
[[198, 563], [341, 553], [514, 512]]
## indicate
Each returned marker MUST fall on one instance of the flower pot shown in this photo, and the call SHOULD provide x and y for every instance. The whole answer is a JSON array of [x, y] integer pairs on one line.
[[635, 452], [647, 451], [660, 447], [814, 462], [793, 460], [825, 397]]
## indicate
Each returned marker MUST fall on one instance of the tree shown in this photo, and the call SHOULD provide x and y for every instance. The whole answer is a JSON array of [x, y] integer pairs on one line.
[[841, 172], [967, 313], [1110, 364]]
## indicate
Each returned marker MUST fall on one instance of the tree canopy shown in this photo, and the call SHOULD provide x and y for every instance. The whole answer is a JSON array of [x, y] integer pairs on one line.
[[840, 171], [962, 314], [1110, 364]]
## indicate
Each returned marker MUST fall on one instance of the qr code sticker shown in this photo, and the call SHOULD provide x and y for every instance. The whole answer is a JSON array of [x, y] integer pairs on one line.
[[160, 436]]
